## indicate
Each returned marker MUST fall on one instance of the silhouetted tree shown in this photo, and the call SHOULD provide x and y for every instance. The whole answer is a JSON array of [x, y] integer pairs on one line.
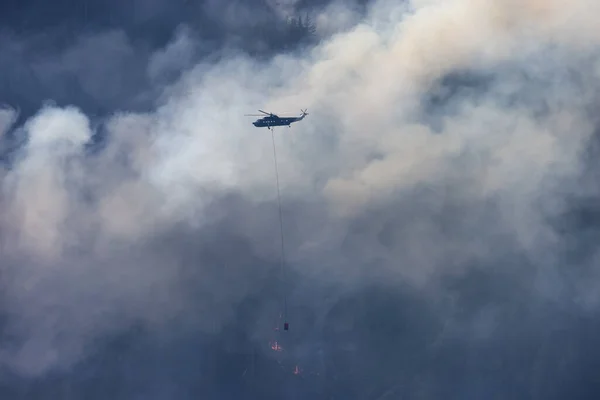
[[301, 30]]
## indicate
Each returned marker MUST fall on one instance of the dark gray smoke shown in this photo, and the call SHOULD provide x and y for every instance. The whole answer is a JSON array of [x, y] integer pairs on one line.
[[438, 201]]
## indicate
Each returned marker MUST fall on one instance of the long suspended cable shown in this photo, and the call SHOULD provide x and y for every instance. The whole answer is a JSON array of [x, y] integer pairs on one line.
[[285, 326]]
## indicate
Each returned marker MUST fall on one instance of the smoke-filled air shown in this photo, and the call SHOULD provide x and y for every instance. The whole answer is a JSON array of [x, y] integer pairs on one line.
[[438, 202]]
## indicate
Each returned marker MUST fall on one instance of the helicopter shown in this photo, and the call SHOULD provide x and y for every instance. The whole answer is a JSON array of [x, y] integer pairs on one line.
[[271, 120]]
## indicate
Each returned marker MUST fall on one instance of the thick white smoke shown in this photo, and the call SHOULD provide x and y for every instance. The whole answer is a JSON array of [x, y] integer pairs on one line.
[[79, 231]]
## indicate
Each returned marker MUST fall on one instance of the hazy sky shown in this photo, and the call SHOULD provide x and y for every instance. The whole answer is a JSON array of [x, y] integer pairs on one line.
[[438, 200]]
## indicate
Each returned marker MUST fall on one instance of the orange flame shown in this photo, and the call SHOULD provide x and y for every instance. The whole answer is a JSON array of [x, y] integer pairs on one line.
[[275, 346]]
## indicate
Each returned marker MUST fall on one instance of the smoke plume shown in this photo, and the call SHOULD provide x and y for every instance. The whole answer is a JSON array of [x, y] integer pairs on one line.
[[439, 236]]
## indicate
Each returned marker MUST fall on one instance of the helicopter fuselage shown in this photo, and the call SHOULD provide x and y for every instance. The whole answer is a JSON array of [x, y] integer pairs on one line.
[[275, 121], [272, 120]]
